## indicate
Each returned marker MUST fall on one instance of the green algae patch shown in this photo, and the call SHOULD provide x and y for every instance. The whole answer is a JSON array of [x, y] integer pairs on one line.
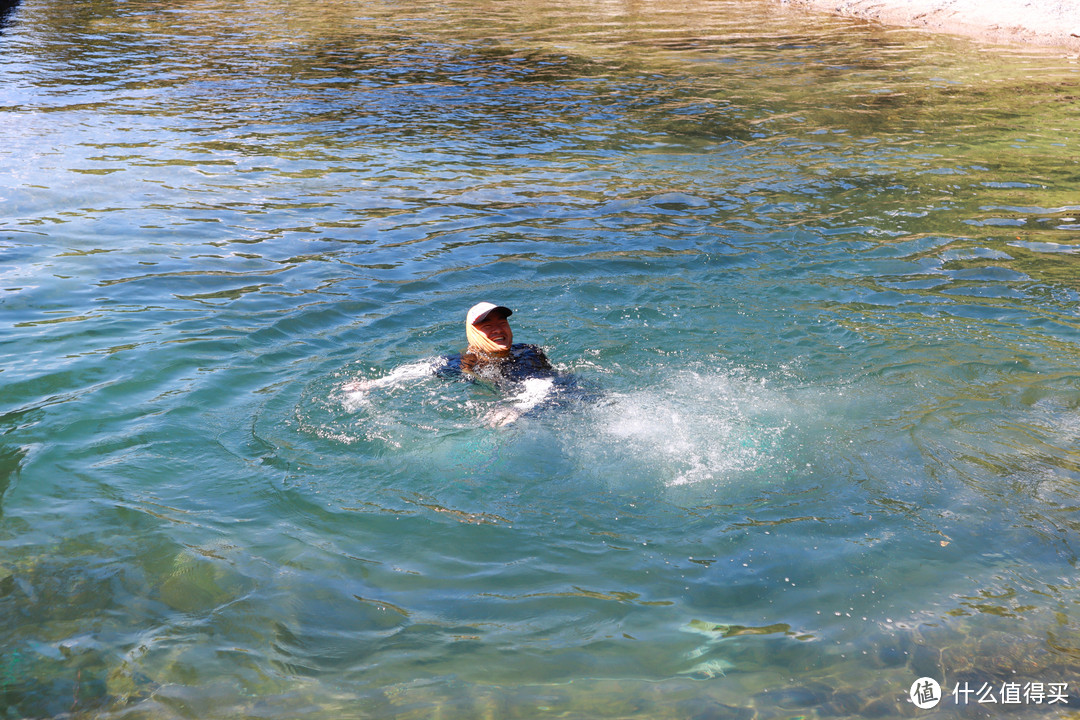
[[725, 631]]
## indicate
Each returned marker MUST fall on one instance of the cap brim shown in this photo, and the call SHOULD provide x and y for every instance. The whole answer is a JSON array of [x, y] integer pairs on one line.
[[507, 312]]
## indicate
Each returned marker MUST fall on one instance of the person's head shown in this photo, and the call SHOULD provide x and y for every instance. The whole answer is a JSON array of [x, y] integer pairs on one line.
[[487, 329]]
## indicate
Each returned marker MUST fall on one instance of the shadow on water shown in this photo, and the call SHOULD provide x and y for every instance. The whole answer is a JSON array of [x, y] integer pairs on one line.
[[11, 456], [10, 460], [7, 11]]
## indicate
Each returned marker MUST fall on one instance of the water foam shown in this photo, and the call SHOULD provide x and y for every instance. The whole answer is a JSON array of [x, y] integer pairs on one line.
[[691, 426]]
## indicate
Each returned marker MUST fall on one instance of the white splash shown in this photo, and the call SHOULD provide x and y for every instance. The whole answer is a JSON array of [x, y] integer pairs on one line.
[[691, 427], [534, 391], [356, 392]]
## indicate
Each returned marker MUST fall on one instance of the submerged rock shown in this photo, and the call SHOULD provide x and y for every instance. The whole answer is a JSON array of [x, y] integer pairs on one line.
[[7, 581], [795, 698], [198, 583], [709, 709]]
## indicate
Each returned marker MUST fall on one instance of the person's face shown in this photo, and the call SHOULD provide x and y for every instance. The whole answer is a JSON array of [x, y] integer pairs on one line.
[[496, 329]]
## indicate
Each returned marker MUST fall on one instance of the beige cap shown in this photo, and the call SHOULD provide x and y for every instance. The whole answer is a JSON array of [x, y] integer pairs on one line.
[[479, 311]]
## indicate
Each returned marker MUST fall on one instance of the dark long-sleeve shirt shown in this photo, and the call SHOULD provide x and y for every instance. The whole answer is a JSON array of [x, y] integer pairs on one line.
[[523, 362]]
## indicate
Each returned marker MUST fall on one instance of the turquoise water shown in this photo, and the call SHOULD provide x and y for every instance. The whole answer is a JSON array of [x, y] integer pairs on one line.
[[821, 276]]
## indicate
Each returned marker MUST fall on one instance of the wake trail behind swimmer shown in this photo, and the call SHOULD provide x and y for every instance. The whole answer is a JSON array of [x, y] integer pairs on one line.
[[356, 392]]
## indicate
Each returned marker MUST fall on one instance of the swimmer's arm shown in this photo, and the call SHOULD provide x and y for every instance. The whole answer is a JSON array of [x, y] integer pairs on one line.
[[397, 376], [534, 392], [449, 367], [537, 355], [360, 385], [501, 416]]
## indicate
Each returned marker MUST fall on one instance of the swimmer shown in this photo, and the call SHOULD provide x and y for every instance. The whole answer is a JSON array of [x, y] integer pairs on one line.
[[493, 357], [492, 354], [520, 370]]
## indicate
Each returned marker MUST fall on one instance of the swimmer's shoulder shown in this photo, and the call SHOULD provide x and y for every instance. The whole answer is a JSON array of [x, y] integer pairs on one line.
[[449, 365], [530, 356], [458, 365], [527, 349]]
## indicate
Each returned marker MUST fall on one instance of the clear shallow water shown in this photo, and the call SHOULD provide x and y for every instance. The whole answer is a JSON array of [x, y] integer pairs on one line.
[[820, 274]]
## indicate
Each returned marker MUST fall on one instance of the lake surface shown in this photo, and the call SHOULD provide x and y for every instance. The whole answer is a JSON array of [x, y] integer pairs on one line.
[[820, 280]]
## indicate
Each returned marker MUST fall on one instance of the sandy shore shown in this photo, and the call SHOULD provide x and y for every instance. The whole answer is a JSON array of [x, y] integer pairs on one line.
[[1052, 23]]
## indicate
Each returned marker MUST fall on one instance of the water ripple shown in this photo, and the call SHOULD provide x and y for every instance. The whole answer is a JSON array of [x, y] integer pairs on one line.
[[816, 276]]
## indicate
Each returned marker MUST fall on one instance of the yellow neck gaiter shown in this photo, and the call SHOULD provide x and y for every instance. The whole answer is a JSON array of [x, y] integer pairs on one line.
[[479, 343]]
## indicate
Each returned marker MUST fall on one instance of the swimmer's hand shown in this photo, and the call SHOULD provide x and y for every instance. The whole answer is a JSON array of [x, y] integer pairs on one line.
[[501, 416], [534, 391], [358, 386]]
